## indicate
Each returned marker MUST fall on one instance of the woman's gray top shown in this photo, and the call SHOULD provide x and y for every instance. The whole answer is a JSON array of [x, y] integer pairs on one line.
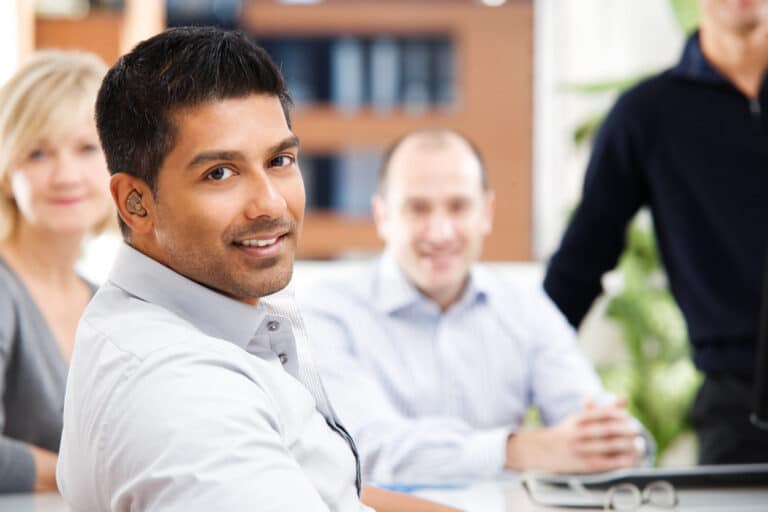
[[33, 373]]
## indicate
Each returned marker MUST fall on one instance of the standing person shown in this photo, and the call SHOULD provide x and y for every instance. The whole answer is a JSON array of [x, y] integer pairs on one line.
[[433, 359], [53, 193], [691, 144], [187, 391]]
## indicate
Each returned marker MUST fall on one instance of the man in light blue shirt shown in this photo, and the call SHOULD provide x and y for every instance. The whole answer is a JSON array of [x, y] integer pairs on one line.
[[432, 360], [187, 391]]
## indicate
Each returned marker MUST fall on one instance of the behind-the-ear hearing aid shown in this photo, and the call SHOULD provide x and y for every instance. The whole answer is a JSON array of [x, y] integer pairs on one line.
[[133, 204]]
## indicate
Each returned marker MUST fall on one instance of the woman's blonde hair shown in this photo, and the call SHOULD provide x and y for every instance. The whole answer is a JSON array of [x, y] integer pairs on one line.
[[53, 90]]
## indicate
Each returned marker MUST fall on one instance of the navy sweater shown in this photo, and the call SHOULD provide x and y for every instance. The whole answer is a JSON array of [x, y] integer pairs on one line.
[[694, 149]]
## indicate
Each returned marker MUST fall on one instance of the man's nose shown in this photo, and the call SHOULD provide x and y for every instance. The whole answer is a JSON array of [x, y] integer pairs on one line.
[[266, 200], [440, 228]]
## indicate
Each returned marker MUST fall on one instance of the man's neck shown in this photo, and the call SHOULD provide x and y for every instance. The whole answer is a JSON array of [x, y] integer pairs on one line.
[[742, 57], [445, 298]]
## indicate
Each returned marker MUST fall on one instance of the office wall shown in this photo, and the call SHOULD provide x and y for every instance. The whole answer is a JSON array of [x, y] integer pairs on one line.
[[577, 42]]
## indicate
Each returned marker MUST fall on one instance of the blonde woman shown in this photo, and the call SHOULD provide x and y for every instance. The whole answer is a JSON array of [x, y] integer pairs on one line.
[[53, 193]]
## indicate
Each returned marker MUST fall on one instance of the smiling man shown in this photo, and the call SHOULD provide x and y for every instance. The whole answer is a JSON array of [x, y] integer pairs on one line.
[[433, 359], [186, 390]]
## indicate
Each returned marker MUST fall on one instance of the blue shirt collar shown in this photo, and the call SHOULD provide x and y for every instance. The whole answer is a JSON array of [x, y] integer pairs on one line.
[[393, 291], [212, 312]]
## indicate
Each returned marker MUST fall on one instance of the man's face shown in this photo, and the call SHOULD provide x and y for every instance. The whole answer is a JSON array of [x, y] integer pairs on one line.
[[230, 198], [434, 215], [735, 15]]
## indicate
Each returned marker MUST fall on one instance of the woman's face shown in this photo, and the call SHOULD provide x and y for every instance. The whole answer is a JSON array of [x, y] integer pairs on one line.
[[62, 186]]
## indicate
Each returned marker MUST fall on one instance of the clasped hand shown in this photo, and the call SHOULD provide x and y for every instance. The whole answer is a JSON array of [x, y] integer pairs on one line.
[[598, 438]]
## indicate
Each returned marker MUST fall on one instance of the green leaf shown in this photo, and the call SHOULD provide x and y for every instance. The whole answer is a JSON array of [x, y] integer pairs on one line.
[[605, 86], [686, 13], [586, 130]]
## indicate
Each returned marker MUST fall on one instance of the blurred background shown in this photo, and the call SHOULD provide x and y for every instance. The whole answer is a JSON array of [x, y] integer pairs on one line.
[[527, 80], [513, 75]]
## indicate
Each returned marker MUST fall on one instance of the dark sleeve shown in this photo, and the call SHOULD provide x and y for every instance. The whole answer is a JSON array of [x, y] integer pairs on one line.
[[17, 466], [614, 189]]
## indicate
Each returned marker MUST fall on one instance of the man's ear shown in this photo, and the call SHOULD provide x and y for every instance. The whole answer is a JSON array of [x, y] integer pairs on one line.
[[134, 201], [379, 210], [489, 209]]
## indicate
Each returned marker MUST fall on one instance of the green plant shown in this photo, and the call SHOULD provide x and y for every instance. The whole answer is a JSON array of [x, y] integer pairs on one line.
[[660, 379]]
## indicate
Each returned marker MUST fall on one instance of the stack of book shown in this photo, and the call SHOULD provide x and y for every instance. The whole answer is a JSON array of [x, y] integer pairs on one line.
[[381, 72], [341, 183]]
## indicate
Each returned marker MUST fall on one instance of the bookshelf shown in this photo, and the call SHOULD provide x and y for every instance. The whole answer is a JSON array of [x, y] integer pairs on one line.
[[67, 33], [492, 100], [493, 52], [106, 32]]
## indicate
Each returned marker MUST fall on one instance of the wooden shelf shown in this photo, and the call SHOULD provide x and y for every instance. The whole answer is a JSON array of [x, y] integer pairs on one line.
[[326, 235], [335, 130], [106, 33], [98, 32], [494, 63]]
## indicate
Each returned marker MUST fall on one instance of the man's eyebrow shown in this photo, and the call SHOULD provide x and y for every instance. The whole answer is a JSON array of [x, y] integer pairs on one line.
[[288, 143], [215, 156], [219, 155]]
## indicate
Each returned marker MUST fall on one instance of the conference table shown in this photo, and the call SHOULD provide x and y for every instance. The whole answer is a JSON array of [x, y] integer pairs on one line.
[[503, 495]]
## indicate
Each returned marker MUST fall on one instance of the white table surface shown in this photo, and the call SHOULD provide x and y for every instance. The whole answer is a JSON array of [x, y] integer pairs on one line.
[[506, 495]]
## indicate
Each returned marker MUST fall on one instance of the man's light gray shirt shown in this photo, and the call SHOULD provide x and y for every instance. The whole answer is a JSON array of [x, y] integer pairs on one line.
[[180, 398], [434, 395]]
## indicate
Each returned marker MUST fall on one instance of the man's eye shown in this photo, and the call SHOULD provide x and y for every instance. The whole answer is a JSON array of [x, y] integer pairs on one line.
[[219, 174], [417, 208], [458, 206], [282, 161]]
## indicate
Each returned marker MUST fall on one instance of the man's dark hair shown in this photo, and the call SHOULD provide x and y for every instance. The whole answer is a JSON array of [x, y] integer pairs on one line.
[[179, 68], [435, 137]]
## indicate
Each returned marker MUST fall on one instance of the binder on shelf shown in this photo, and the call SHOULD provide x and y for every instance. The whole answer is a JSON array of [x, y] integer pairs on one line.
[[385, 72], [219, 13], [355, 179], [298, 60], [443, 73], [318, 173], [384, 61], [347, 73], [416, 75]]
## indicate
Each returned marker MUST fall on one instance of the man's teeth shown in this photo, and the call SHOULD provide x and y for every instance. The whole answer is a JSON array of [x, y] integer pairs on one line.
[[258, 243]]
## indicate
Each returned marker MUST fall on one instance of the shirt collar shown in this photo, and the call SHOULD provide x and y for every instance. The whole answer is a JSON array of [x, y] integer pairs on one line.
[[693, 64], [212, 312], [393, 291]]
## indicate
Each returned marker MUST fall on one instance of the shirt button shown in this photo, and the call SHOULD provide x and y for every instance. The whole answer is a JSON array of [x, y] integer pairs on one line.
[[283, 358], [273, 325]]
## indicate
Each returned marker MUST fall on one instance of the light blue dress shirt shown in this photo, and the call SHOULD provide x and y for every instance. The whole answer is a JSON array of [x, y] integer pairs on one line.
[[182, 399], [431, 395]]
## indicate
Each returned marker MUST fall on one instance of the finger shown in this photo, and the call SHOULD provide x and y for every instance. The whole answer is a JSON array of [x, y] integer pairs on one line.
[[604, 413], [605, 429], [621, 403], [610, 446]]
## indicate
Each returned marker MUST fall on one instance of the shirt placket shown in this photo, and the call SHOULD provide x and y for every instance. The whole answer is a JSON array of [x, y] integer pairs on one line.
[[287, 338]]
